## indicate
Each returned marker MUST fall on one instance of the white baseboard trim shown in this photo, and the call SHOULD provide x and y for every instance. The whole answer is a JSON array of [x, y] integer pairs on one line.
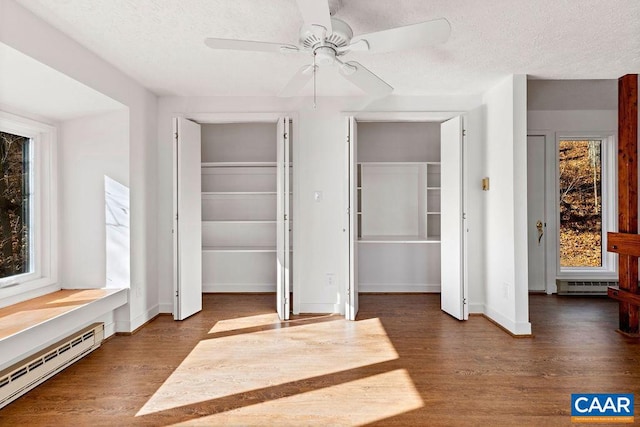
[[476, 308], [398, 287], [516, 328], [109, 329], [238, 287], [315, 308], [166, 308], [132, 325]]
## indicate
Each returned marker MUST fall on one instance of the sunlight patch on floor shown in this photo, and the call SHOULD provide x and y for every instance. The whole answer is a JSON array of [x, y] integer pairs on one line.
[[230, 365], [357, 402], [245, 322], [240, 323]]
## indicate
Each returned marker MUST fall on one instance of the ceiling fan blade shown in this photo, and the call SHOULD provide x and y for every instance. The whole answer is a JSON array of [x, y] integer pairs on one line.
[[249, 45], [316, 12], [363, 78], [411, 36], [297, 82]]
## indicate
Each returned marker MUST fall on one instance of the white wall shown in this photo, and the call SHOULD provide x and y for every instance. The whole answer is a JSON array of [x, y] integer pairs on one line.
[[51, 47], [90, 148], [506, 206], [319, 165]]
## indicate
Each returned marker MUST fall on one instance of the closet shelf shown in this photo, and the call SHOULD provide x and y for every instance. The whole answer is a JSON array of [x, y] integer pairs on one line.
[[231, 221], [240, 249], [399, 239], [433, 188], [395, 163], [433, 213], [237, 164], [238, 193]]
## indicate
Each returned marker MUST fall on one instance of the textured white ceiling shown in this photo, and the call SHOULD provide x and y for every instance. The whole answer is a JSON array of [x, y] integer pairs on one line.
[[160, 42], [27, 85]]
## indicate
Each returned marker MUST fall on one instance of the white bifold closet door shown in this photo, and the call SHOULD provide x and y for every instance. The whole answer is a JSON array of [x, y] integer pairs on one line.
[[283, 226], [453, 284], [351, 308], [187, 219]]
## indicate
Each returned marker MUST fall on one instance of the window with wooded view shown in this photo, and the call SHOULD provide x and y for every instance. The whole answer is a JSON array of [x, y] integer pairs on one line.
[[580, 172], [14, 205]]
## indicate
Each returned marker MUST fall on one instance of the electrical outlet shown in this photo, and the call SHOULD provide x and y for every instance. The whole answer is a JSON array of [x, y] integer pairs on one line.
[[330, 280], [506, 290]]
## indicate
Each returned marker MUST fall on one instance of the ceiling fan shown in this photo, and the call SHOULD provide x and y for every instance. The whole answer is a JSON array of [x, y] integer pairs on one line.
[[328, 39]]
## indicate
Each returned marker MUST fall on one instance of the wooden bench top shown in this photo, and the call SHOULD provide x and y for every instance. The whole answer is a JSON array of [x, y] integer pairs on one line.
[[27, 314]]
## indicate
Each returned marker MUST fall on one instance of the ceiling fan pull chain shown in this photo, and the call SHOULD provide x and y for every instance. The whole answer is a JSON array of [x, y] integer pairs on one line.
[[314, 80]]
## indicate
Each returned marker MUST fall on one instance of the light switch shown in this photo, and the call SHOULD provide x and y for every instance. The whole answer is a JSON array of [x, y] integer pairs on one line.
[[317, 196], [485, 184]]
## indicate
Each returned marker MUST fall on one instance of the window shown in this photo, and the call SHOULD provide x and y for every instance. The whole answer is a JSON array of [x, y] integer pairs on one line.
[[586, 209], [27, 205]]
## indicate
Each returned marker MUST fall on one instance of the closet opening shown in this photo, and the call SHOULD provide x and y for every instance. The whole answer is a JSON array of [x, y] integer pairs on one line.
[[402, 203], [245, 203]]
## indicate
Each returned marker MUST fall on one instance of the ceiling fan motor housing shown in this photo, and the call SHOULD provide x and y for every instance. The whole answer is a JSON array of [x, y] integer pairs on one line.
[[311, 38]]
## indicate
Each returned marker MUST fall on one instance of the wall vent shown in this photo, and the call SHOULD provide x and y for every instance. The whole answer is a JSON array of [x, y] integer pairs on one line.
[[584, 287], [35, 369]]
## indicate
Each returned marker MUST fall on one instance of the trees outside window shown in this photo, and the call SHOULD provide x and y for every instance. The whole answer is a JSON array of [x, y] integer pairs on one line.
[[15, 227], [580, 184]]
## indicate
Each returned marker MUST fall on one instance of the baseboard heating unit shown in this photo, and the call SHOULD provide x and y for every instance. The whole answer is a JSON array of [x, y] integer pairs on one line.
[[37, 368], [584, 287]]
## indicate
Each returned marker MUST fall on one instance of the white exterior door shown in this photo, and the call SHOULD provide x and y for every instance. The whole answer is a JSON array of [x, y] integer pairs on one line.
[[283, 236], [536, 221], [351, 308], [187, 229], [453, 286]]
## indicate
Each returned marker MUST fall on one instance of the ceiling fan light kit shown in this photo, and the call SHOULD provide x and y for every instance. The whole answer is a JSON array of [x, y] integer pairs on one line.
[[328, 38]]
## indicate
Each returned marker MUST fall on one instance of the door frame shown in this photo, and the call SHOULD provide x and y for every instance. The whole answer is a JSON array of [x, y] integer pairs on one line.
[[258, 117], [551, 242], [392, 116]]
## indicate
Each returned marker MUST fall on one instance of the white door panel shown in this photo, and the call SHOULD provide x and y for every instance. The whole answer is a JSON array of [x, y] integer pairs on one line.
[[283, 244], [187, 219], [351, 309], [451, 209], [536, 221]]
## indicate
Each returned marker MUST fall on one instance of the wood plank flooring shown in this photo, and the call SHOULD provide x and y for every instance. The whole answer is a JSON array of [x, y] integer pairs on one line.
[[403, 363]]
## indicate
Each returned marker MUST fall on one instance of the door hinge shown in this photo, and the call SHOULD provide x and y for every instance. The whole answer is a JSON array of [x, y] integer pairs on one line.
[[464, 132], [285, 217], [176, 294], [348, 211], [464, 301], [285, 135], [464, 215], [348, 139], [176, 136]]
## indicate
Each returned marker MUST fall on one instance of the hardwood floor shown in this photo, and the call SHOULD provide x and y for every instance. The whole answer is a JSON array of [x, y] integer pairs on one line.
[[403, 362]]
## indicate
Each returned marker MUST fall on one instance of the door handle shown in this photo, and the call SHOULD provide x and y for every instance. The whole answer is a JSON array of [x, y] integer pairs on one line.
[[540, 231]]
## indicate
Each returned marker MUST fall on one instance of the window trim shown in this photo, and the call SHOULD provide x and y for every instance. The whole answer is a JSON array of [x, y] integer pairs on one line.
[[609, 197], [44, 205]]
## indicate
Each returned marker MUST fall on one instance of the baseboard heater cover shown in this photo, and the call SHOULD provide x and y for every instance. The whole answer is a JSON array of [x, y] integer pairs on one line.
[[584, 287], [23, 376]]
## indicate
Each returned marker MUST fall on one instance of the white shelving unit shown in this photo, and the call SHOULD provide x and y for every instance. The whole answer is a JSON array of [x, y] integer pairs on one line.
[[239, 207], [398, 187]]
